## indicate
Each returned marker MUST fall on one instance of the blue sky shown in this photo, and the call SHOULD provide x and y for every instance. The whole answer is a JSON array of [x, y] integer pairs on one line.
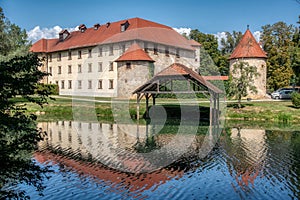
[[210, 16]]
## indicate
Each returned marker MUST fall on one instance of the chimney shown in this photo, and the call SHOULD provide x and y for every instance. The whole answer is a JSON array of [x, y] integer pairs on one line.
[[107, 24]]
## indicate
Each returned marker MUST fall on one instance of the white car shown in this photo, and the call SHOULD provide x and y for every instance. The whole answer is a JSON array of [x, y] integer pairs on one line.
[[282, 93]]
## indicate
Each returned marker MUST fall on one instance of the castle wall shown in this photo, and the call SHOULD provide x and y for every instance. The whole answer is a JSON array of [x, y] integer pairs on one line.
[[261, 81]]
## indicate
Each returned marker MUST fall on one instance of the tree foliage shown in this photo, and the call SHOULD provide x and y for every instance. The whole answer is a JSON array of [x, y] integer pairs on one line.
[[283, 54], [13, 39], [19, 77], [230, 42], [211, 60], [242, 82]]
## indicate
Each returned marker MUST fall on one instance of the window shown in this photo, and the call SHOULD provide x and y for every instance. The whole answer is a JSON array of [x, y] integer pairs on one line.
[[70, 55], [128, 65], [50, 70], [111, 66], [100, 67], [79, 54], [50, 57], [69, 69], [59, 70], [90, 53], [177, 53], [58, 56], [146, 47], [111, 50], [89, 84], [167, 51], [79, 68], [111, 84], [56, 82], [90, 68], [155, 51], [100, 84], [79, 82], [69, 84], [123, 48], [62, 84], [100, 51]]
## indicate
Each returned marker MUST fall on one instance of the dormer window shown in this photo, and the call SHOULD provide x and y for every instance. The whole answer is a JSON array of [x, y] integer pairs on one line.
[[63, 35], [82, 28], [96, 26], [124, 26]]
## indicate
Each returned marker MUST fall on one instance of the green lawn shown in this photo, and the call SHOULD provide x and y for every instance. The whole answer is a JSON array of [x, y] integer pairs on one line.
[[65, 109]]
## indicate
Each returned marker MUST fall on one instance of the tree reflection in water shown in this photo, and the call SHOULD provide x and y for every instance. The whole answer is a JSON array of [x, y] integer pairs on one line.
[[18, 140]]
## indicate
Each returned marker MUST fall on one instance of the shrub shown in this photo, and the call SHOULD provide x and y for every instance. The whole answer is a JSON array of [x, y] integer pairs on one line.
[[52, 89], [296, 99]]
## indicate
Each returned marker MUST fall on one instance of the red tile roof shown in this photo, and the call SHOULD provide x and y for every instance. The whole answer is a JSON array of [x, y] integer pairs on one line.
[[139, 29], [174, 71], [135, 53], [215, 78], [194, 43], [248, 48]]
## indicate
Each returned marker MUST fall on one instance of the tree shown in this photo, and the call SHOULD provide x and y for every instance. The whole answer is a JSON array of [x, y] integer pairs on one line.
[[19, 76], [278, 43], [230, 42], [211, 60], [13, 39], [241, 82]]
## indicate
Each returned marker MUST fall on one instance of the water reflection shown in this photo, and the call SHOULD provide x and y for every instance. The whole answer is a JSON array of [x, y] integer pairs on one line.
[[245, 163]]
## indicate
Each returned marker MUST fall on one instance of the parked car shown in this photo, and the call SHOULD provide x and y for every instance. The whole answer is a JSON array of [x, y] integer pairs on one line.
[[284, 93]]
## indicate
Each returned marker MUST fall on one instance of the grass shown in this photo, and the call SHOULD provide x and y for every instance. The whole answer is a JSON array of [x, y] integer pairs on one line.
[[274, 111], [65, 109]]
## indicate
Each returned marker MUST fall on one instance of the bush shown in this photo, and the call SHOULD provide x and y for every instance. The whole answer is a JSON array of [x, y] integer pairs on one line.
[[296, 99], [52, 89]]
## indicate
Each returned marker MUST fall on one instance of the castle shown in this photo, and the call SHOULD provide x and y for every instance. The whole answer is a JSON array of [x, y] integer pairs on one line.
[[113, 59]]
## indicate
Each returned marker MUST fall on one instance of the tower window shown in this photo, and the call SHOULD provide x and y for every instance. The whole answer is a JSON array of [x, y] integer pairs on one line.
[[128, 65]]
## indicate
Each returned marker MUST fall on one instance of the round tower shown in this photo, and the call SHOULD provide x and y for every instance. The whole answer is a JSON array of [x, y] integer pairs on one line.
[[248, 50]]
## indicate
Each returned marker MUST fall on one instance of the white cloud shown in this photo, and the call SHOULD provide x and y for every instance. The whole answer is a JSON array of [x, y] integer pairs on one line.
[[38, 33], [257, 35], [219, 36], [187, 31]]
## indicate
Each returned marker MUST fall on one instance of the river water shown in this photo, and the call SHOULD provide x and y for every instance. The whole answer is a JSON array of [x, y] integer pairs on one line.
[[92, 160]]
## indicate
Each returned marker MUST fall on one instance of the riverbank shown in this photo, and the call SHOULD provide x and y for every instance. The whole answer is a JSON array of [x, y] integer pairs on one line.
[[101, 109]]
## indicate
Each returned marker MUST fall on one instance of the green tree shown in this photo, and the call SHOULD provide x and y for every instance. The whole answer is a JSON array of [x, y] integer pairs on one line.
[[211, 60], [278, 43], [19, 77], [13, 39], [241, 82], [230, 42]]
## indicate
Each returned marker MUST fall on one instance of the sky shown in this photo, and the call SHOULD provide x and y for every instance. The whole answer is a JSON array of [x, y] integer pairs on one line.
[[45, 18]]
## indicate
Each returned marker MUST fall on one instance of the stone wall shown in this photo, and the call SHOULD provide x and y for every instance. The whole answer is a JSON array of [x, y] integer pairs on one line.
[[261, 81], [129, 79]]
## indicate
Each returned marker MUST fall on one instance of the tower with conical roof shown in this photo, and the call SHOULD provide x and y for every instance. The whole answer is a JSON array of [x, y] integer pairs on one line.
[[248, 50]]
